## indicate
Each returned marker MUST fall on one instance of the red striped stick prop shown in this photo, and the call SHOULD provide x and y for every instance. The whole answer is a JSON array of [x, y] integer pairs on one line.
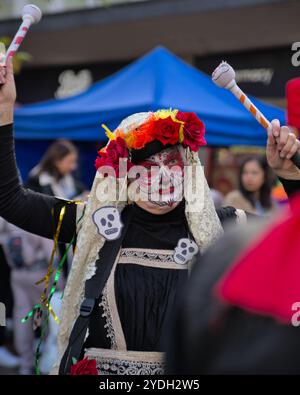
[[224, 77], [30, 14]]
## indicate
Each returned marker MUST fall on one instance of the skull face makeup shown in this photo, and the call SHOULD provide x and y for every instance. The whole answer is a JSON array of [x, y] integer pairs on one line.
[[162, 181], [185, 251], [108, 222]]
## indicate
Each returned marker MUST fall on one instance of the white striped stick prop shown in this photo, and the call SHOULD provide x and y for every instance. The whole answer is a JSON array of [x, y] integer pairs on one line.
[[224, 77], [30, 14]]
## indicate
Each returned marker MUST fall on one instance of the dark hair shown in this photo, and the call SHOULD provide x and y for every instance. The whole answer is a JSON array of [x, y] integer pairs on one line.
[[57, 151], [265, 190]]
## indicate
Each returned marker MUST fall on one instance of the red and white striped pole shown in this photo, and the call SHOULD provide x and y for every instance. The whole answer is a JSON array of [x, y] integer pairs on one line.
[[30, 14], [224, 77]]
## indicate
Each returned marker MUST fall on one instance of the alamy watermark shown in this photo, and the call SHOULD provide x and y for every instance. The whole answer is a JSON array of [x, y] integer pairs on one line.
[[295, 320], [296, 56], [161, 184]]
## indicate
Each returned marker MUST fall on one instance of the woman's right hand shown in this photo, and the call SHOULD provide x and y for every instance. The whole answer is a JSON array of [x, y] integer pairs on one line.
[[7, 93]]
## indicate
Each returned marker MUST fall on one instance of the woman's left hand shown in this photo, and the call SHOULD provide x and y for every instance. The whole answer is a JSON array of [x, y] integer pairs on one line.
[[282, 145]]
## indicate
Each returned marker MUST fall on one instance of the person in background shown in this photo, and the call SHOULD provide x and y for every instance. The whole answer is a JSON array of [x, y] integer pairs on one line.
[[53, 175], [254, 193], [217, 198]]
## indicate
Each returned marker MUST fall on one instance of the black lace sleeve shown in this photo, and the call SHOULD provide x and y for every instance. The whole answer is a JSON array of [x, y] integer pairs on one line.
[[226, 214], [229, 214], [31, 211]]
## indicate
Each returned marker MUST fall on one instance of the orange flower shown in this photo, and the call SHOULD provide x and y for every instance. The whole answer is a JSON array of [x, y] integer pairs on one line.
[[129, 140], [143, 134]]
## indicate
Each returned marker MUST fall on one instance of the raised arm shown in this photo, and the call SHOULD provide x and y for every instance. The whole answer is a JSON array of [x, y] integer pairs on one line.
[[281, 146], [31, 211]]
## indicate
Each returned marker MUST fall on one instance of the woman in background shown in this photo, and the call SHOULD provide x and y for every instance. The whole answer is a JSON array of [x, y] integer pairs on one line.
[[53, 175], [254, 193]]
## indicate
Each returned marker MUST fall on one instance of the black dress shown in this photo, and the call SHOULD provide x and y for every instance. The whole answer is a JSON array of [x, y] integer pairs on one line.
[[146, 288]]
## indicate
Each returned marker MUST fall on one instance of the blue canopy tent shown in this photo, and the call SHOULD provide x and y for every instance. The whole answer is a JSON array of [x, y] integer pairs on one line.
[[157, 80]]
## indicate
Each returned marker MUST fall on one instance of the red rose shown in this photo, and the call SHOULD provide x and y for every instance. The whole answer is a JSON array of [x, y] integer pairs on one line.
[[115, 150], [167, 131], [193, 130], [84, 367], [101, 160]]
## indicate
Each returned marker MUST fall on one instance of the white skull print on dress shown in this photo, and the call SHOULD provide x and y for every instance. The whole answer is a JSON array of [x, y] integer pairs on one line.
[[185, 250], [108, 222]]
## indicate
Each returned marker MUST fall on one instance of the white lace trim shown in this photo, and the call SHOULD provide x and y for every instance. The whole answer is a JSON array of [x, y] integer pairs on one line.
[[90, 270], [143, 253], [150, 257], [113, 324], [241, 217], [87, 334], [201, 215], [89, 242], [110, 332], [127, 363]]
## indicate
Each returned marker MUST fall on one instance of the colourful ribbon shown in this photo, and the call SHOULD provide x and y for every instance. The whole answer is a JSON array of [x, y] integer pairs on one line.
[[44, 301]]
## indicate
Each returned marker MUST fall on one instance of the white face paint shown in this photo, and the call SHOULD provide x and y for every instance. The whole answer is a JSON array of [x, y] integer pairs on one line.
[[108, 222], [185, 251], [162, 183]]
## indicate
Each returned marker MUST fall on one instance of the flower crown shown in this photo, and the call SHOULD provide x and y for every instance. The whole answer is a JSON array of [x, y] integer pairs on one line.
[[169, 127]]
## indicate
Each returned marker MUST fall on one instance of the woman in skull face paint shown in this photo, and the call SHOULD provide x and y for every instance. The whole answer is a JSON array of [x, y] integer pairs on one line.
[[161, 182], [127, 322], [141, 292]]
